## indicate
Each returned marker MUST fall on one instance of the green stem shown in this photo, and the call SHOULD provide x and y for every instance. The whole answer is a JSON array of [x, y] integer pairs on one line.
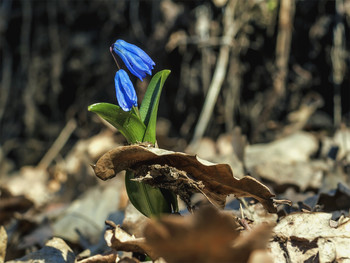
[[136, 111]]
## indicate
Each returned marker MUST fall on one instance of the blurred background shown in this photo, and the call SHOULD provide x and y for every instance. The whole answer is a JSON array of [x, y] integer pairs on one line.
[[243, 73], [269, 67]]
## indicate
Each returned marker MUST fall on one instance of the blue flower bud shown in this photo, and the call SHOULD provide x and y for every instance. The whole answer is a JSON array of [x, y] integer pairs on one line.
[[125, 91], [135, 59]]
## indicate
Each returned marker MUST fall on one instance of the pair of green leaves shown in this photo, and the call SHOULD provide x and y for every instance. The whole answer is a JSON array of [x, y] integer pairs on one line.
[[141, 127]]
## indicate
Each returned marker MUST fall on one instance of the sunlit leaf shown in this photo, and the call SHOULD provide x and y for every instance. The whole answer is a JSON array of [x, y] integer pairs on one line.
[[127, 122], [150, 102]]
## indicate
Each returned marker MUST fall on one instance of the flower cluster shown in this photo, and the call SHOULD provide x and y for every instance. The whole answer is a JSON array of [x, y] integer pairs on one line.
[[138, 63]]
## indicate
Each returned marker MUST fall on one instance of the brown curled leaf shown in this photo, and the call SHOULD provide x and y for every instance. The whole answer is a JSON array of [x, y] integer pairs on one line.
[[208, 235], [217, 179]]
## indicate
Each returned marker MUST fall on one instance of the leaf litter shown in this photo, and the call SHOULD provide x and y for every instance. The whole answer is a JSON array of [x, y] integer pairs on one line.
[[243, 233]]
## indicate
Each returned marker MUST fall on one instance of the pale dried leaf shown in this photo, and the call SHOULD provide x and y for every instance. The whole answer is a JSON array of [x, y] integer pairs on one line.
[[106, 258], [258, 215], [295, 148], [248, 242], [134, 221], [310, 226], [55, 250], [206, 149], [88, 213], [3, 243], [37, 178], [310, 236], [128, 260], [117, 239], [281, 173], [11, 204], [231, 149], [260, 256], [342, 139], [215, 181]]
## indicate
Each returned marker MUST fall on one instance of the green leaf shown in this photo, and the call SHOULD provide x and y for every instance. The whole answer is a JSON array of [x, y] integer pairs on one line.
[[171, 197], [148, 112], [149, 106], [127, 122], [147, 199]]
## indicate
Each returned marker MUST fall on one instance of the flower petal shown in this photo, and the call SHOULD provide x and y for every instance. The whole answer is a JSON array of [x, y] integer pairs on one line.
[[125, 59], [137, 51], [135, 59], [125, 91]]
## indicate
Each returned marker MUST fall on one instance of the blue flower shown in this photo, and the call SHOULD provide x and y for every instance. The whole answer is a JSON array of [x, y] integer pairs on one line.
[[135, 59], [125, 91]]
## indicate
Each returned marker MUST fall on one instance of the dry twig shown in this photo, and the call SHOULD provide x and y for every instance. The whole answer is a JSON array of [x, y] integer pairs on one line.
[[219, 74]]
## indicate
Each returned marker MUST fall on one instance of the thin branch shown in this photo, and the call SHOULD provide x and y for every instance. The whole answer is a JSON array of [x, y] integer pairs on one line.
[[56, 50], [219, 75], [25, 47], [58, 144], [338, 63], [283, 45], [6, 79]]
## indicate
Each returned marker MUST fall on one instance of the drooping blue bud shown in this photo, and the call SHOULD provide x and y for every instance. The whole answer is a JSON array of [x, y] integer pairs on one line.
[[125, 91], [135, 59]]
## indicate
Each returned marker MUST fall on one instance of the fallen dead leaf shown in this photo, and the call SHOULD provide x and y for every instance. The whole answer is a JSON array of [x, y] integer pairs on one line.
[[309, 236], [342, 139], [231, 148], [3, 243], [55, 250], [87, 150], [260, 256], [258, 215], [334, 200], [294, 148], [11, 204], [182, 173], [206, 149], [119, 240], [106, 258], [206, 236], [88, 213], [282, 174], [128, 260], [37, 178], [299, 118], [134, 221]]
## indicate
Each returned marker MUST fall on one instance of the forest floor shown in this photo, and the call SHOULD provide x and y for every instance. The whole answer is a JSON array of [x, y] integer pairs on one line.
[[58, 213]]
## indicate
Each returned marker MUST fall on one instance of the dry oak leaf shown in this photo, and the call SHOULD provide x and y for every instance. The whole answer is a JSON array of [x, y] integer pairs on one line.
[[111, 257], [304, 236], [215, 181], [55, 250], [119, 240], [206, 236]]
